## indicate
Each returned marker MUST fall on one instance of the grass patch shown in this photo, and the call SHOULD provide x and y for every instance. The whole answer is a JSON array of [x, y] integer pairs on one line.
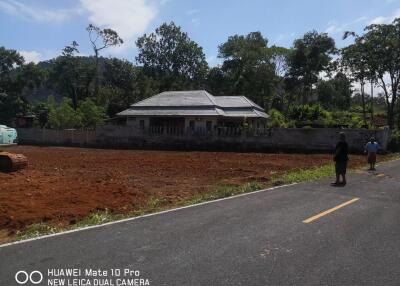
[[305, 175], [35, 230], [99, 217]]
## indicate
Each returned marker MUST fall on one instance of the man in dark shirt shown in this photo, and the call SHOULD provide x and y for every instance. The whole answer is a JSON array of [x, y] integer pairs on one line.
[[341, 157]]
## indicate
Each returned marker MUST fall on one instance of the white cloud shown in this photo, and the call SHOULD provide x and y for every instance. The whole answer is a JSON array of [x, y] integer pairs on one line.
[[31, 56], [385, 20], [378, 20], [129, 18], [334, 27], [37, 14]]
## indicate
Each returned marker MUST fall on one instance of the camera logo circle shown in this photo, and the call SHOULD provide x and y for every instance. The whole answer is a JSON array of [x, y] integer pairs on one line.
[[22, 277]]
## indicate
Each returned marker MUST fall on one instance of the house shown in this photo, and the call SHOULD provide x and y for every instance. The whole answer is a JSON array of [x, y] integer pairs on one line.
[[193, 110]]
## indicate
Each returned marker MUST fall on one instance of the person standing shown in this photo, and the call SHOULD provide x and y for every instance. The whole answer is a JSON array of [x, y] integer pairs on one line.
[[371, 149], [341, 158]]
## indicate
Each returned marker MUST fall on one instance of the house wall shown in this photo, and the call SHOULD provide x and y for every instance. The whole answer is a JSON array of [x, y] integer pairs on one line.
[[134, 122], [276, 139], [200, 122]]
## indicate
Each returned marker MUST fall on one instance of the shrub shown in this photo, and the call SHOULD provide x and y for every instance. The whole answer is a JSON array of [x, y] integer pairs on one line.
[[276, 119], [394, 143], [91, 113], [63, 116]]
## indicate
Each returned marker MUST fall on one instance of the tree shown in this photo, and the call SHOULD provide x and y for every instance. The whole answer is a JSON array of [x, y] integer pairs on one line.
[[375, 55], [247, 67], [335, 93], [383, 45], [217, 82], [279, 57], [90, 113], [354, 59], [101, 39], [9, 61], [120, 88], [172, 59], [63, 116], [310, 55], [72, 75], [14, 77]]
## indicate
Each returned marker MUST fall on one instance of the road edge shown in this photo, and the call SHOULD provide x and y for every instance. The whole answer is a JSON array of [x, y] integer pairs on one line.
[[139, 217]]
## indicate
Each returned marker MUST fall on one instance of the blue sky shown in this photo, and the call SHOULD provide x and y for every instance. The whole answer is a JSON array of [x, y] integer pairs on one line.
[[39, 29]]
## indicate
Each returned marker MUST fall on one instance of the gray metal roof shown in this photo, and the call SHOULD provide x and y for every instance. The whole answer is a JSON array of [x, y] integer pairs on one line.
[[173, 111], [178, 98], [235, 101], [196, 103]]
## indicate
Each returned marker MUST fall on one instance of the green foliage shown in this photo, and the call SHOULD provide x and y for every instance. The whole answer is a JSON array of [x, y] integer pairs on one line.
[[35, 230], [307, 113], [11, 105], [394, 144], [247, 69], [14, 77], [72, 77], [310, 55], [347, 119], [96, 218], [101, 39], [304, 175], [171, 58], [9, 61], [64, 116], [276, 119], [335, 93], [90, 113], [316, 116], [374, 56]]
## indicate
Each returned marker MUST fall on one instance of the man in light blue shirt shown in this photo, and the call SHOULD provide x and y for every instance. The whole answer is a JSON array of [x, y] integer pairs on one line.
[[371, 149]]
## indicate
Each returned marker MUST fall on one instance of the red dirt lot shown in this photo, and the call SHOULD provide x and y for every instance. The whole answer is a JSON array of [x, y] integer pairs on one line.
[[63, 185]]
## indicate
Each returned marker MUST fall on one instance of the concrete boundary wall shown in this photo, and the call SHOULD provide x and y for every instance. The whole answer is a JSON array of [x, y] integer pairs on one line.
[[276, 139]]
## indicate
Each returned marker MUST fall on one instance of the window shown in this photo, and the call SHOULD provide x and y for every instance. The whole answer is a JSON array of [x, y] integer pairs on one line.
[[191, 124], [141, 124], [208, 126]]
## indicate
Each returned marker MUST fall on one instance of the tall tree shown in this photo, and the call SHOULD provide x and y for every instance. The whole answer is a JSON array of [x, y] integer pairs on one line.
[[72, 75], [310, 56], [248, 68], [355, 60], [335, 93], [383, 45], [375, 55], [170, 57], [14, 77], [120, 88], [279, 57], [101, 39], [10, 60]]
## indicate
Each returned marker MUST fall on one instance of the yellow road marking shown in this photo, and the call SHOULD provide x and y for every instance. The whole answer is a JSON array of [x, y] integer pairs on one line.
[[313, 218]]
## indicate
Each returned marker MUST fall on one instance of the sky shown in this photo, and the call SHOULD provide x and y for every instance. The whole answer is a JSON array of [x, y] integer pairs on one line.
[[40, 29]]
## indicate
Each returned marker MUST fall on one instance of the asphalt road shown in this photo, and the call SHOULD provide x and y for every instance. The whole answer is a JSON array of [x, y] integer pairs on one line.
[[256, 239]]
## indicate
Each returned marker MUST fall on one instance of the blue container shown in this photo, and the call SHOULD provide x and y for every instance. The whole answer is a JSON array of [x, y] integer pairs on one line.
[[7, 135]]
